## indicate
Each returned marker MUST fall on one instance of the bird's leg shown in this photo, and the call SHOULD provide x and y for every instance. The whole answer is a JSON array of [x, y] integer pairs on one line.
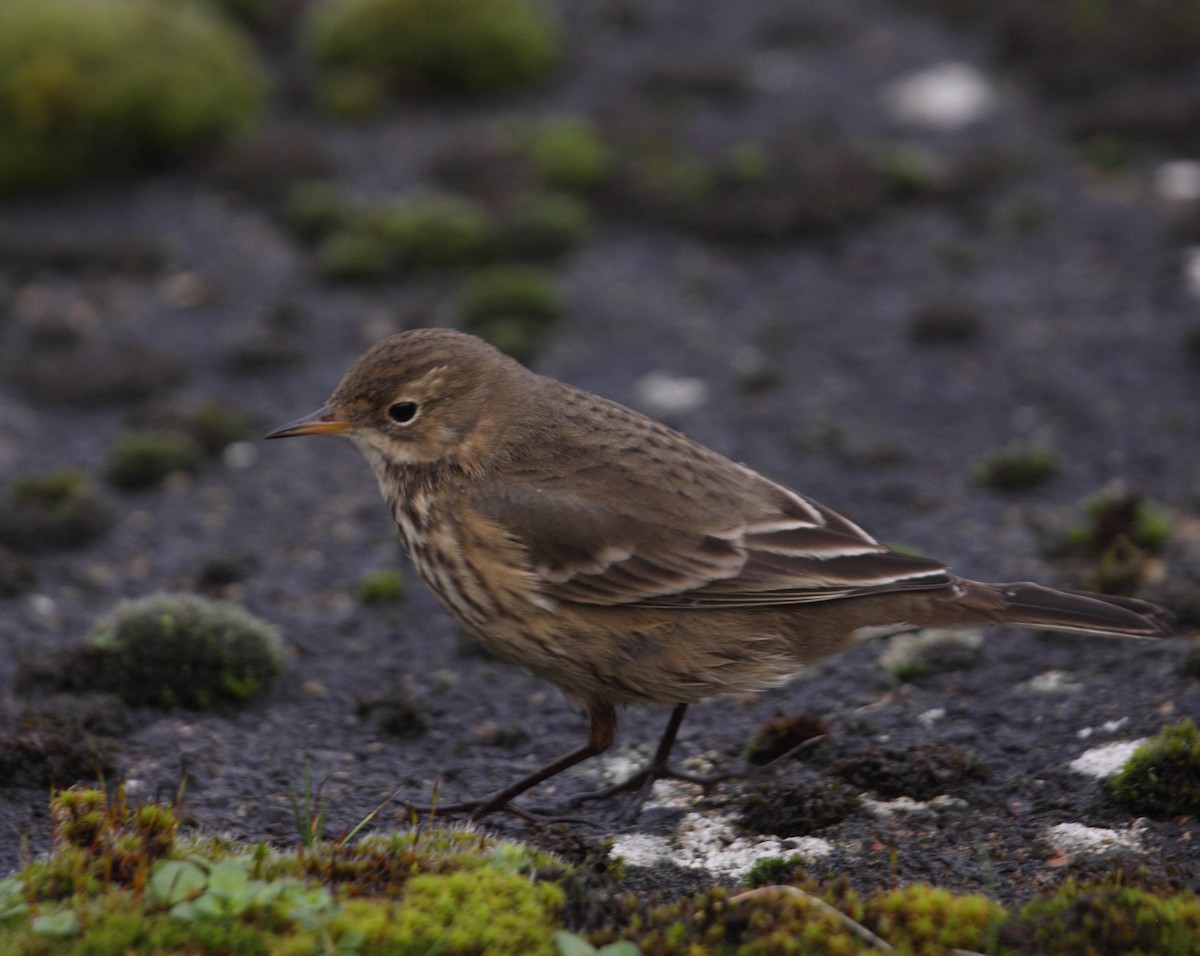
[[602, 730], [656, 769]]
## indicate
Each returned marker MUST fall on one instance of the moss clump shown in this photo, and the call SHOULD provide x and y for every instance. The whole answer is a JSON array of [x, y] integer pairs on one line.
[[921, 771], [16, 574], [512, 308], [429, 232], [110, 86], [567, 153], [1117, 541], [315, 208], [86, 372], [1079, 920], [47, 751], [382, 587], [51, 512], [928, 921], [781, 735], [179, 650], [1017, 468], [121, 879], [712, 922], [543, 227], [215, 426], [434, 46], [1162, 778], [1117, 514], [142, 459], [397, 713], [795, 805]]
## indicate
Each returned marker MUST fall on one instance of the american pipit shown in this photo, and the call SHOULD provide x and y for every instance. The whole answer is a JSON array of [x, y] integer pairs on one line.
[[624, 562]]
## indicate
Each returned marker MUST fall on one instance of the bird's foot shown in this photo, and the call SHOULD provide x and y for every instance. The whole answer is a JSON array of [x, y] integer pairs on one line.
[[475, 810], [642, 782]]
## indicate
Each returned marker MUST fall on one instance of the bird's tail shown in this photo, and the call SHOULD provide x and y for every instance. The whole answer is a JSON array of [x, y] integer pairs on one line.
[[1036, 606]]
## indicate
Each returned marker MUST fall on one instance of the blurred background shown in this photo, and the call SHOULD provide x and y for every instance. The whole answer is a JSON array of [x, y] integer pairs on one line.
[[933, 262]]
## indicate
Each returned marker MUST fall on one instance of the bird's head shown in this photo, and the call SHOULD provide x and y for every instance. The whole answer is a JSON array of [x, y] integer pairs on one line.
[[419, 397]]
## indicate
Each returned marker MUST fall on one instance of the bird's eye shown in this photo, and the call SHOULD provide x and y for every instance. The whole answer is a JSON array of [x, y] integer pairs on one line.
[[402, 412]]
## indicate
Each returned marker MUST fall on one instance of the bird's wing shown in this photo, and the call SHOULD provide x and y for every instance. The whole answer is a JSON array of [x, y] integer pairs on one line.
[[733, 539]]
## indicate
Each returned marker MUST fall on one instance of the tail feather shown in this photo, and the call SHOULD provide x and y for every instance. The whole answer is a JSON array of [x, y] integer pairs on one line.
[[1032, 604]]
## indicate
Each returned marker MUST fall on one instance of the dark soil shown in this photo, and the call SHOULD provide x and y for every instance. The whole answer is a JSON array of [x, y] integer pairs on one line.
[[1080, 314]]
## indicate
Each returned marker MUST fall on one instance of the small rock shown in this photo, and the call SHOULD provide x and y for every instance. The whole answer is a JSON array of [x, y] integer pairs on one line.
[[946, 96], [1105, 760]]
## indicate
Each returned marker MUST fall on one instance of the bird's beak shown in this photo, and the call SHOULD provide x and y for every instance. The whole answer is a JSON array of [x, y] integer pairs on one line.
[[324, 421]]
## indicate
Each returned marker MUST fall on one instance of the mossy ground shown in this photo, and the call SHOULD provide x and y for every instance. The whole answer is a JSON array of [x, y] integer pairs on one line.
[[122, 877], [871, 309]]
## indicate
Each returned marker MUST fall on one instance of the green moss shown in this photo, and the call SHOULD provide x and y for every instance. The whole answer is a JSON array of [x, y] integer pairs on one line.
[[430, 232], [171, 650], [1162, 778], [924, 920], [51, 512], [1079, 920], [316, 208], [354, 255], [382, 587], [440, 231], [513, 308], [88, 87], [142, 459], [438, 46], [567, 153], [1116, 517], [1017, 468], [543, 226], [215, 426]]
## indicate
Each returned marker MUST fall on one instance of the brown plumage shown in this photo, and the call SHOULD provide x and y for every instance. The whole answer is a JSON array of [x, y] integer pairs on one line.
[[622, 561]]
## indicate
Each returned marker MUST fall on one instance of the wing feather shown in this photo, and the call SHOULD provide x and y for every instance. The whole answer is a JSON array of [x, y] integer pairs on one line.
[[648, 554]]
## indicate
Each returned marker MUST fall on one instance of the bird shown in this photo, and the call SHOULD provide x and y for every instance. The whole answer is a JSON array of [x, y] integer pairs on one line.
[[625, 563]]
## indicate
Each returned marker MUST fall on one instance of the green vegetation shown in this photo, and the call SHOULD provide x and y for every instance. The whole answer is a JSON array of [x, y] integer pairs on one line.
[[429, 46], [316, 207], [1017, 468], [428, 232], [568, 153], [120, 879], [1122, 533], [109, 87], [543, 226], [180, 650], [1162, 778], [142, 459], [1107, 918], [382, 587], [215, 426], [512, 308], [51, 512]]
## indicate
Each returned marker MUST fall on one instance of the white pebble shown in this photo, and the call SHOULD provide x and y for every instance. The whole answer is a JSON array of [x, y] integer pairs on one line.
[[946, 96]]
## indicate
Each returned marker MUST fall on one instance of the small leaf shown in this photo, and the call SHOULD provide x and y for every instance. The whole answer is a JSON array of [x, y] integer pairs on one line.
[[60, 924], [173, 881], [570, 944], [620, 948], [229, 878]]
